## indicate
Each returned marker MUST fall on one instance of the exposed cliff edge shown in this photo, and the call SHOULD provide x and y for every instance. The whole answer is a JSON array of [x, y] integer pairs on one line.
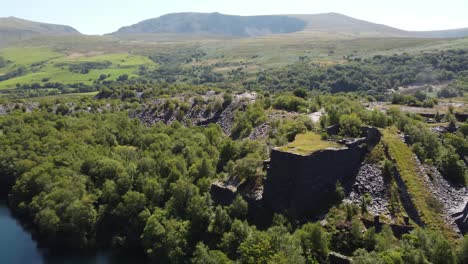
[[306, 185]]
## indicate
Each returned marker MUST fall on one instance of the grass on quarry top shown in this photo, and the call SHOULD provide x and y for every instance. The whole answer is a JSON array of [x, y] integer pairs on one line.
[[406, 165], [306, 144]]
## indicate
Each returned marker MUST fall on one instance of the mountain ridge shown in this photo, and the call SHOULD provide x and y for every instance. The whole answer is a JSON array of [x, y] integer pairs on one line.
[[217, 24], [184, 24]]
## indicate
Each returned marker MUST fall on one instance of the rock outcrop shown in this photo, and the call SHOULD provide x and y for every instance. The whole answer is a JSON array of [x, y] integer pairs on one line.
[[303, 185], [306, 185], [200, 113], [223, 193]]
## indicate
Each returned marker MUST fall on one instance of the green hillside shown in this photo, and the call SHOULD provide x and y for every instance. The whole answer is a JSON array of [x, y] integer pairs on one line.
[[14, 29], [44, 65]]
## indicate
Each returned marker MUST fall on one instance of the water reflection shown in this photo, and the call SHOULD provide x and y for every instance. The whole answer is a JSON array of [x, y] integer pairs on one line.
[[18, 247]]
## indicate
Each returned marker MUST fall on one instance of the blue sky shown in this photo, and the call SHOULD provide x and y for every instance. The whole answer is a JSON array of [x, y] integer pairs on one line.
[[105, 16]]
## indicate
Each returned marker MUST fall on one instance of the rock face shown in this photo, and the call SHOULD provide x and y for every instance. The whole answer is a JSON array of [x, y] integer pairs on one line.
[[303, 185], [200, 114], [223, 193]]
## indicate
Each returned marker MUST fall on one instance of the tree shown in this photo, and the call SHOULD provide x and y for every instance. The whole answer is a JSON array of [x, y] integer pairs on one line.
[[239, 208], [256, 249], [442, 252], [206, 170], [132, 204], [350, 125], [246, 168], [452, 168], [48, 221], [3, 62], [462, 254], [302, 93], [289, 103], [285, 245], [221, 221], [231, 240], [464, 129], [313, 240], [122, 78], [199, 212], [203, 255], [102, 77], [385, 240], [361, 256], [229, 151], [102, 169], [165, 240], [420, 96], [182, 192]]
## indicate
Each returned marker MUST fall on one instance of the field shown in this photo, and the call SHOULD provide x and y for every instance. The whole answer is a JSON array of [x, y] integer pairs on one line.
[[45, 65]]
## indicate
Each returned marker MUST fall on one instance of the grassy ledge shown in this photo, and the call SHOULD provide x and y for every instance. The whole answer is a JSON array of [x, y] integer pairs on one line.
[[407, 167], [308, 143]]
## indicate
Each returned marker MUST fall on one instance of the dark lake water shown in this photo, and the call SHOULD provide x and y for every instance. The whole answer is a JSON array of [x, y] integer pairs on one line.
[[18, 247]]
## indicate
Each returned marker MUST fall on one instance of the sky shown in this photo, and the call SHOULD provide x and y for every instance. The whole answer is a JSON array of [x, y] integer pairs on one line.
[[106, 16]]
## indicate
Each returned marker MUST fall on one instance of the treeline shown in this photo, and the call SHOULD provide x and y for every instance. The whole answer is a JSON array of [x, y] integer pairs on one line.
[[85, 67], [12, 74], [175, 67], [3, 62], [46, 89]]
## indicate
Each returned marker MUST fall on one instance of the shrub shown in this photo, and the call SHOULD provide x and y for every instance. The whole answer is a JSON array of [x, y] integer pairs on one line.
[[289, 103], [350, 125]]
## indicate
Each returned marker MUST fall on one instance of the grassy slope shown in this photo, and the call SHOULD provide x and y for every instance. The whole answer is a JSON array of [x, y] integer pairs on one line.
[[406, 165], [28, 56]]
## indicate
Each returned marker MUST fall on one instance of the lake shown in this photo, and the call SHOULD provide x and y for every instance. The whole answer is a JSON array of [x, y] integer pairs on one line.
[[18, 247]]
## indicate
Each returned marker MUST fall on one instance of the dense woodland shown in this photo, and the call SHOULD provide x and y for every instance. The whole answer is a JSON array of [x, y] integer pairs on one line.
[[90, 180]]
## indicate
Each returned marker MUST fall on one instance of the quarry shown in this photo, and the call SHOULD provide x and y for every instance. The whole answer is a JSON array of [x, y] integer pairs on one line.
[[304, 176]]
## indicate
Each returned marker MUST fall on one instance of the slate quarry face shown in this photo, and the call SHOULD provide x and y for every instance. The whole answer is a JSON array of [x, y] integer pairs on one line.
[[304, 186]]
